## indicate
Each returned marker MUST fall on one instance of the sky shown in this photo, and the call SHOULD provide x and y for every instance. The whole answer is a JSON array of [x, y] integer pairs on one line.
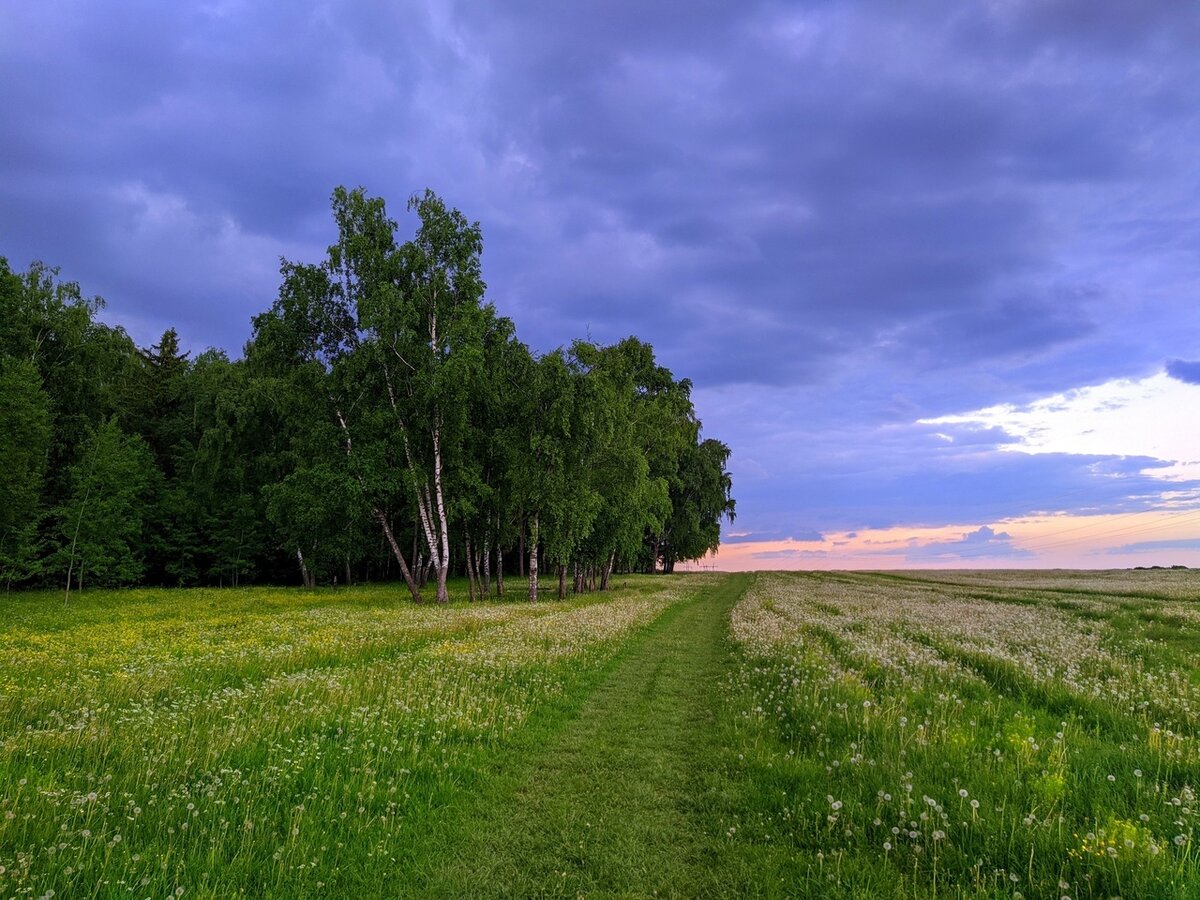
[[932, 267]]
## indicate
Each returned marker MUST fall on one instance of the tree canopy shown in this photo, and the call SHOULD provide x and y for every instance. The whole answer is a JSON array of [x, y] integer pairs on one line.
[[384, 422]]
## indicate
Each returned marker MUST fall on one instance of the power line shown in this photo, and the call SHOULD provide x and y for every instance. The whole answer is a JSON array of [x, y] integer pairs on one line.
[[1164, 522]]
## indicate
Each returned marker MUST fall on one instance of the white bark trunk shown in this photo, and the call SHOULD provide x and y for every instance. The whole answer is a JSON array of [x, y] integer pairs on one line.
[[533, 560], [396, 552], [444, 536], [499, 571], [470, 572], [486, 555], [308, 582], [423, 502], [612, 558]]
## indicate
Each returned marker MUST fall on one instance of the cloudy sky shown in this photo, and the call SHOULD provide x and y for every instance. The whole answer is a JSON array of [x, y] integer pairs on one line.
[[933, 267]]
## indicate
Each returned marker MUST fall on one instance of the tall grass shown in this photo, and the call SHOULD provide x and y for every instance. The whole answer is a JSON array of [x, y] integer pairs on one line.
[[910, 737], [264, 742]]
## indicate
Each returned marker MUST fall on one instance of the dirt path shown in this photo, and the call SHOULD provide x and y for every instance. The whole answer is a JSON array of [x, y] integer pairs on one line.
[[611, 803]]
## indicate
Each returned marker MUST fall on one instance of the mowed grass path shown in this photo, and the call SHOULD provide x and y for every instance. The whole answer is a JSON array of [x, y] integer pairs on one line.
[[614, 803]]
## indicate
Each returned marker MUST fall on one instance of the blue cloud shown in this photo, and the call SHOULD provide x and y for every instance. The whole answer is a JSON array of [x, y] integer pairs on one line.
[[791, 553], [745, 537], [741, 537], [983, 543], [807, 534], [1154, 546], [1187, 372]]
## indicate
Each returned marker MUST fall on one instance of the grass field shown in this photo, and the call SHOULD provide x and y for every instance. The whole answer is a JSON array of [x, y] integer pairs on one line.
[[161, 743], [819, 735], [973, 734]]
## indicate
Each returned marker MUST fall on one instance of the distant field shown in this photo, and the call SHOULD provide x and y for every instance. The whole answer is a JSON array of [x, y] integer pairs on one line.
[[952, 734]]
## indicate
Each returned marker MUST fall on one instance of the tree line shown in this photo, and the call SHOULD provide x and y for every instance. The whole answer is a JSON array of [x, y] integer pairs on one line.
[[383, 422]]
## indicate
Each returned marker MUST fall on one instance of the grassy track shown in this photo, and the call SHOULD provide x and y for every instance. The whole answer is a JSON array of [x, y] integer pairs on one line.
[[612, 803]]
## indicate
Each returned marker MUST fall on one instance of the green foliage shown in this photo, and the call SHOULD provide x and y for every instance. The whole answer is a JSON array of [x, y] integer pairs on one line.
[[384, 421], [314, 510], [634, 502], [24, 448], [100, 525], [700, 498], [557, 431]]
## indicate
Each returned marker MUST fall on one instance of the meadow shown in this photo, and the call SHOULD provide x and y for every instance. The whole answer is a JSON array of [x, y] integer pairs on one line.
[[990, 734], [935, 734], [255, 742]]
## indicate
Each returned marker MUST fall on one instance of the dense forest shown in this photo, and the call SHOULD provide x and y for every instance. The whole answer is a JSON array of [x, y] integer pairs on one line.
[[384, 422]]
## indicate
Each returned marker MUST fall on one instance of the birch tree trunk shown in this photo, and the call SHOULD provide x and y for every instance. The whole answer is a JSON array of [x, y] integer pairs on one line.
[[432, 541], [470, 571], [308, 582], [533, 560], [499, 570], [521, 545], [380, 517], [485, 554], [396, 552], [443, 562]]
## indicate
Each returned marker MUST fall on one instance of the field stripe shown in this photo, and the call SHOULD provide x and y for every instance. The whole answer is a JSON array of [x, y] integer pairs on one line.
[[608, 804]]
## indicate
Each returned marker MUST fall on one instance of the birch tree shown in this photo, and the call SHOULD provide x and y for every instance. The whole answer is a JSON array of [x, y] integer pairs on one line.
[[701, 499], [420, 310], [552, 439], [312, 338], [402, 325], [436, 357], [632, 502]]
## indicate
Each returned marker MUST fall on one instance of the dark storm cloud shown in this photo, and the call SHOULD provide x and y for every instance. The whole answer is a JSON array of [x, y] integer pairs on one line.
[[1109, 26], [1187, 372], [868, 212], [842, 174], [842, 189]]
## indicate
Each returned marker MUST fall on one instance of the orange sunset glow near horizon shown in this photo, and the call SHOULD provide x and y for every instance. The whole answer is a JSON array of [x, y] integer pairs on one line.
[[1118, 541]]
